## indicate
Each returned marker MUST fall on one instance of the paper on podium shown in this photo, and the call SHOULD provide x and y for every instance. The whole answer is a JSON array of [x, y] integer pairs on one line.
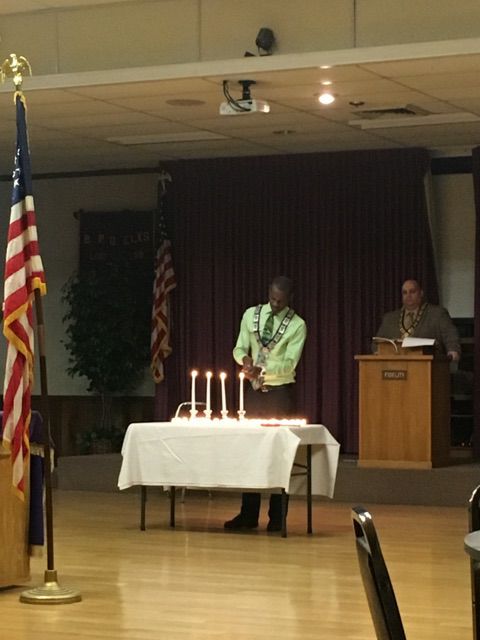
[[418, 342]]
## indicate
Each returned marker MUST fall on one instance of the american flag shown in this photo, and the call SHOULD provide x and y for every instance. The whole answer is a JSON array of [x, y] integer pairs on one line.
[[23, 274], [163, 283]]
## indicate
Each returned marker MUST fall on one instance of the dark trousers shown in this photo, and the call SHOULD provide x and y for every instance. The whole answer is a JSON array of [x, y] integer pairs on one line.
[[251, 506], [279, 403]]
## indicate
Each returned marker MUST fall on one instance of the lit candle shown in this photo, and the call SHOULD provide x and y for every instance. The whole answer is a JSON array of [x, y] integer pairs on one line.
[[241, 375], [192, 402], [223, 375], [207, 400]]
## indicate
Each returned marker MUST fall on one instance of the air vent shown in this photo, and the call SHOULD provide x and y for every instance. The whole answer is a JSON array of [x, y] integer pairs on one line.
[[403, 111], [389, 120]]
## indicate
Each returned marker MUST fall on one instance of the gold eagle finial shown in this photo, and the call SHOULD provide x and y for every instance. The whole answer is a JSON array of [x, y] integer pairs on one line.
[[14, 67]]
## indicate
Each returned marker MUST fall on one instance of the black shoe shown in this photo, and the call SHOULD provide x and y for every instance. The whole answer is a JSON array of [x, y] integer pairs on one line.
[[240, 522], [274, 526]]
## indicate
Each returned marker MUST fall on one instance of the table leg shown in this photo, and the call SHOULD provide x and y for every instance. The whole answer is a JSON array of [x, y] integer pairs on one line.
[[284, 513], [143, 500], [172, 506], [309, 488]]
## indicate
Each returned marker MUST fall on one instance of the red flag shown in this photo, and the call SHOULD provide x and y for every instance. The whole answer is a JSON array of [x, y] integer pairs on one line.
[[23, 274], [164, 283]]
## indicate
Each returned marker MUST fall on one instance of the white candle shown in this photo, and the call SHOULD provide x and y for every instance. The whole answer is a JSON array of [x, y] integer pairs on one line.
[[223, 375], [194, 375], [207, 399], [241, 375]]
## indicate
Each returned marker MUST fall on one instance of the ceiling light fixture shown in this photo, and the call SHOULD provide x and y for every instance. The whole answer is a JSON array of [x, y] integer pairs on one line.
[[326, 98], [184, 102], [159, 138]]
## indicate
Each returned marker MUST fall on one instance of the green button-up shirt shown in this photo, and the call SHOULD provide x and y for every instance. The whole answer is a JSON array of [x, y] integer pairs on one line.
[[284, 356]]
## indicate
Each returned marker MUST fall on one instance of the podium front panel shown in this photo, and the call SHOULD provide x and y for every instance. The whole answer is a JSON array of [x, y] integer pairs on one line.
[[404, 416], [14, 554]]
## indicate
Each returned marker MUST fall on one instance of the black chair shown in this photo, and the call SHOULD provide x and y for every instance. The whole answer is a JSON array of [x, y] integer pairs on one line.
[[183, 409], [376, 581], [474, 525], [474, 510]]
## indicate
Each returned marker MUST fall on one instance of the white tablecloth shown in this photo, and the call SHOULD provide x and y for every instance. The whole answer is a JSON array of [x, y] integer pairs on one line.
[[325, 454], [225, 456]]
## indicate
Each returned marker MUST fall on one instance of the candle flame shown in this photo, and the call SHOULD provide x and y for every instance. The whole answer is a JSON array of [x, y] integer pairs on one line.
[[194, 373], [209, 374], [223, 375], [241, 375]]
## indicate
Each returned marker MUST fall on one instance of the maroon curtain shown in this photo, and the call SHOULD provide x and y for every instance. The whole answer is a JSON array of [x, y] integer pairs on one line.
[[476, 311], [347, 227]]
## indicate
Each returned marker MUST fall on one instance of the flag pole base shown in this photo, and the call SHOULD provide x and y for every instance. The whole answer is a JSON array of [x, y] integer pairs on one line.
[[51, 592]]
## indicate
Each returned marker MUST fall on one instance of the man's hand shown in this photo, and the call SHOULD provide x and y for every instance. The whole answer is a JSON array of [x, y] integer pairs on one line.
[[249, 369], [251, 372], [454, 356]]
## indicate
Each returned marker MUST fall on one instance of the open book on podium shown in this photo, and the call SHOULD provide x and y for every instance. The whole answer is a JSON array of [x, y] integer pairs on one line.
[[405, 346]]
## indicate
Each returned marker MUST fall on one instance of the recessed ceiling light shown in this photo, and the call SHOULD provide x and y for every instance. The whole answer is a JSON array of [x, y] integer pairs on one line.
[[326, 98], [326, 83], [184, 102], [325, 66]]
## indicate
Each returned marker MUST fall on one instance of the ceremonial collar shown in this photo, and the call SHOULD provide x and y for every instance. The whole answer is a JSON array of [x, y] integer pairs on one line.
[[418, 315], [278, 333]]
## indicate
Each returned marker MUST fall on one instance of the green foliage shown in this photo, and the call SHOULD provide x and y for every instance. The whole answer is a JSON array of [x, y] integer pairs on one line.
[[100, 440], [108, 328]]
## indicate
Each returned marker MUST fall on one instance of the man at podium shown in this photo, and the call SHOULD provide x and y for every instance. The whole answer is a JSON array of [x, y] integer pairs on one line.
[[420, 319]]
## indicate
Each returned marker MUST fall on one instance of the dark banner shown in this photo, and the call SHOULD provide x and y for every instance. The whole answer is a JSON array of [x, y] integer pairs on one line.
[[125, 236], [116, 260]]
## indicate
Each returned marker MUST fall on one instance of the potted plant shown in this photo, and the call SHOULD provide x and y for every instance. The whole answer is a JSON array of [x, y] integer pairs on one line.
[[107, 337], [100, 439]]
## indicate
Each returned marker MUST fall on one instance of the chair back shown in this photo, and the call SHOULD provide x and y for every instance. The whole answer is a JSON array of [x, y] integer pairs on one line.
[[474, 510], [474, 525], [376, 580]]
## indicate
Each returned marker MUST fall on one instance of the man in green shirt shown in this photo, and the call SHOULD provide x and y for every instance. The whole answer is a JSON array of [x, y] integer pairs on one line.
[[269, 346]]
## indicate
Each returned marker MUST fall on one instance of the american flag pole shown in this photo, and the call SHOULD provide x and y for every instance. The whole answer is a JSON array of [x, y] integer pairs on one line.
[[26, 267], [164, 283], [163, 178]]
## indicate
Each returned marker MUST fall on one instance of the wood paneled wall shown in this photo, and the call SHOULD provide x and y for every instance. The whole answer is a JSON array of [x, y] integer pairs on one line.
[[73, 415]]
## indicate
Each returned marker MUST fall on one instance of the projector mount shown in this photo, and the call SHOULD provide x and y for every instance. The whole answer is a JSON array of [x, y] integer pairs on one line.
[[245, 104], [235, 104]]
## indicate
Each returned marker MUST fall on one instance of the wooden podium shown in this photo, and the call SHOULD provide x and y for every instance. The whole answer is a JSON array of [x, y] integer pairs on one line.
[[404, 409], [14, 552]]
